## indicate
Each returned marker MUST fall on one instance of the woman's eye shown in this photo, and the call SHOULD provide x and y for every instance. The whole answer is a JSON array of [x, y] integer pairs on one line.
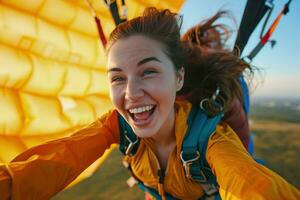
[[148, 72], [117, 79]]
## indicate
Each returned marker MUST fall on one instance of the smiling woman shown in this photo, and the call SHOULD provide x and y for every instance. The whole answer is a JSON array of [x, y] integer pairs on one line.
[[156, 83]]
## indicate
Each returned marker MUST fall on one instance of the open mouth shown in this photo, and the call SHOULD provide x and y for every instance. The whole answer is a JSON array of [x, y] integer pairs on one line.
[[141, 114]]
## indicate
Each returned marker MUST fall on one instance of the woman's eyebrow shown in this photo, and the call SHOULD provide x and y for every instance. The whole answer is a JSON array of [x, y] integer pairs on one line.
[[145, 60], [114, 69]]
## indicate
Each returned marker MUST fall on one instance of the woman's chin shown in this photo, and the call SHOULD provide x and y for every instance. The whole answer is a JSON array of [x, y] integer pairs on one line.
[[144, 133]]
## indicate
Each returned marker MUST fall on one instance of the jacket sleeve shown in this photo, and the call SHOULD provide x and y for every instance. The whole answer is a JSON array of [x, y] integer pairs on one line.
[[238, 175], [44, 170]]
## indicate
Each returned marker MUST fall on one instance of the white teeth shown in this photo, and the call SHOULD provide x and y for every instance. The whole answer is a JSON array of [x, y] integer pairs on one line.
[[141, 109]]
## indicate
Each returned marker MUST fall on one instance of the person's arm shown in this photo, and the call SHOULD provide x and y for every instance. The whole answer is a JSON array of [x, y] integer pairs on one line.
[[44, 170], [238, 175]]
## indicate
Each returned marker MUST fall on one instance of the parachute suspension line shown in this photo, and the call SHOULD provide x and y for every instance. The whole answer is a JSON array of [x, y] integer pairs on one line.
[[124, 11], [98, 23], [114, 10], [270, 4], [268, 34]]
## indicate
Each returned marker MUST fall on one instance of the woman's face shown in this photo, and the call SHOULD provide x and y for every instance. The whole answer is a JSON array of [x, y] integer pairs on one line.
[[143, 84]]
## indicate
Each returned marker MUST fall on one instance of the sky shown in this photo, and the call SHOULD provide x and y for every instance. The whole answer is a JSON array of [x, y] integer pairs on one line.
[[280, 66]]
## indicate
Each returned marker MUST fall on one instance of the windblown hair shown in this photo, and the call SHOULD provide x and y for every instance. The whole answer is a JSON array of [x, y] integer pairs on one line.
[[207, 34], [200, 51]]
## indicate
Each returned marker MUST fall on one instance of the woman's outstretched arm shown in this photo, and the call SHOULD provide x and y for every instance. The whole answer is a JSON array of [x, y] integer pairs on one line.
[[44, 170], [238, 175]]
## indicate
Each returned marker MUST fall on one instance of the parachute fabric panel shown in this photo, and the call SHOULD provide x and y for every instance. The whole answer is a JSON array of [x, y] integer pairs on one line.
[[52, 69]]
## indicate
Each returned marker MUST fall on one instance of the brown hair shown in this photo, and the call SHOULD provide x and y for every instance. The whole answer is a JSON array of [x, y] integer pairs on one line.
[[208, 34], [200, 51]]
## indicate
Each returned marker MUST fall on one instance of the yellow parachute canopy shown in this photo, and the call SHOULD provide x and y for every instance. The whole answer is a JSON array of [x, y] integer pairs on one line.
[[52, 69]]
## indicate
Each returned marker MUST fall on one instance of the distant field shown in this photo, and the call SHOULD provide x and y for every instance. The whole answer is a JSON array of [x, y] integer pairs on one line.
[[278, 144], [277, 110], [276, 128]]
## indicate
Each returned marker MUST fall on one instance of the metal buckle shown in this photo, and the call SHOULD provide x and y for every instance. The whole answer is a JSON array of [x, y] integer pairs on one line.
[[131, 144], [187, 163], [210, 189]]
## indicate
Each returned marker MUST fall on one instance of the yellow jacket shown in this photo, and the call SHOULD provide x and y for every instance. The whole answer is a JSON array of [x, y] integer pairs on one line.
[[46, 169]]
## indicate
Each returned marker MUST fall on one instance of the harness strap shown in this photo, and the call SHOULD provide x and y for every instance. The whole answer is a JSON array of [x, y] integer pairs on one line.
[[113, 7], [193, 154], [245, 92], [129, 142]]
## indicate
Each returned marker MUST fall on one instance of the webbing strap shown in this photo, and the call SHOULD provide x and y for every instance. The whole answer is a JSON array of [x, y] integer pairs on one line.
[[113, 7], [193, 153], [245, 93], [129, 142], [98, 23], [100, 31]]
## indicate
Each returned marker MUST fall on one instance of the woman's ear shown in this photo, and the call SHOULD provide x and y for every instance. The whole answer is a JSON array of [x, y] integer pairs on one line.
[[180, 78]]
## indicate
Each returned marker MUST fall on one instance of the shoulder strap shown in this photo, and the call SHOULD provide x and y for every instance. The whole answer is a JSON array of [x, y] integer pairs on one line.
[[193, 154], [129, 142], [245, 92]]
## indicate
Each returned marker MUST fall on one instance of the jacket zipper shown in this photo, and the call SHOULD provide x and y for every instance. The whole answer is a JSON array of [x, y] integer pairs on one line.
[[161, 175]]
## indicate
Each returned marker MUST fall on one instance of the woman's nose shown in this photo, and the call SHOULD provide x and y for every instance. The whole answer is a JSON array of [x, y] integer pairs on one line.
[[134, 89]]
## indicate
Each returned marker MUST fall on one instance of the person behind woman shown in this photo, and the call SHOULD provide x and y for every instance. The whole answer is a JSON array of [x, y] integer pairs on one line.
[[148, 66]]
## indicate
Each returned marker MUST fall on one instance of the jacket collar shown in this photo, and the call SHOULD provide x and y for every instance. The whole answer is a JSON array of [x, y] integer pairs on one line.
[[182, 111]]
